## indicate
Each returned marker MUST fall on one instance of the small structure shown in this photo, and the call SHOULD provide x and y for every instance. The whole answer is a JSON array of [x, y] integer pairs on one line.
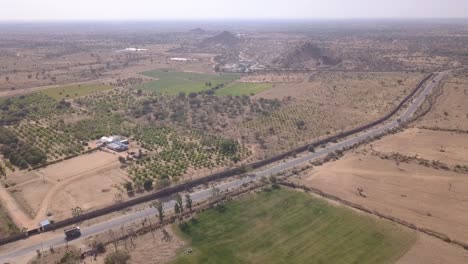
[[44, 224], [112, 139], [117, 146]]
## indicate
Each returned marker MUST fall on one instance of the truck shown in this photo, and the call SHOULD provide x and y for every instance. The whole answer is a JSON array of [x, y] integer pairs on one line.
[[72, 233]]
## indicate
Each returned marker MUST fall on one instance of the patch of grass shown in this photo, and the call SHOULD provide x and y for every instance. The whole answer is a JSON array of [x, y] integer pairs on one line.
[[284, 226], [171, 82], [239, 88], [72, 91]]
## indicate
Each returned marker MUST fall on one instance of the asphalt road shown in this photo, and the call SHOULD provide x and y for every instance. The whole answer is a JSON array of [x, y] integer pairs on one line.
[[57, 238]]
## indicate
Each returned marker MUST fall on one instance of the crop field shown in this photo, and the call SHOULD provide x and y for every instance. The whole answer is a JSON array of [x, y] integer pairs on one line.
[[73, 91], [170, 82], [241, 88], [283, 226], [179, 151]]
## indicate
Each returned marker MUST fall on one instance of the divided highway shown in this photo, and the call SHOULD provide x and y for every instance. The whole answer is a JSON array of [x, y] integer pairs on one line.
[[26, 248]]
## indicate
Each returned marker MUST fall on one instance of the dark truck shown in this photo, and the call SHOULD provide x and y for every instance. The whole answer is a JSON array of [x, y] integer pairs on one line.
[[72, 233]]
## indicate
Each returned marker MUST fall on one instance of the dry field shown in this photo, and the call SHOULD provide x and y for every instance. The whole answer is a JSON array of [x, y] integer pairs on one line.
[[327, 102], [400, 176], [89, 181], [451, 109], [276, 77], [429, 250], [447, 147], [429, 198]]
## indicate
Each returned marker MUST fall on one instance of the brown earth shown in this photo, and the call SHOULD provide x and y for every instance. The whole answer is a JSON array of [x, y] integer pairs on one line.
[[447, 147], [88, 181], [451, 109], [429, 250], [326, 103], [429, 198], [148, 247]]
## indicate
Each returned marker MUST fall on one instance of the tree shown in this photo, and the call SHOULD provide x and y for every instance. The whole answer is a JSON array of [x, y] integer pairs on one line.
[[128, 185], [99, 247], [179, 201], [300, 124], [117, 257], [148, 184], [2, 171], [215, 194], [77, 211], [122, 160], [228, 146], [158, 205], [177, 210], [188, 202]]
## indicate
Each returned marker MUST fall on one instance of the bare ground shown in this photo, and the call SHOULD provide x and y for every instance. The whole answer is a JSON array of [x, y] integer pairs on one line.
[[430, 198], [429, 250], [447, 147], [88, 181]]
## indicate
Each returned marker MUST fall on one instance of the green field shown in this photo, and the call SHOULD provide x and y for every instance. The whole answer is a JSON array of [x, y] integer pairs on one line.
[[284, 226], [72, 91], [171, 82], [239, 88]]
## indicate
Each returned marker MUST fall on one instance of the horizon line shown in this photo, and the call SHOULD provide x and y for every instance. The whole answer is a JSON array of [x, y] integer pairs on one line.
[[279, 19]]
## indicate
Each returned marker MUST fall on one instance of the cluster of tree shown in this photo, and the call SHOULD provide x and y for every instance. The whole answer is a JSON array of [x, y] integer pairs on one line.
[[228, 146], [20, 153]]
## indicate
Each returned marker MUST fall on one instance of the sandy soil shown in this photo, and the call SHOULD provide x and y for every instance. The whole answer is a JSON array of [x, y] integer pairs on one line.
[[326, 103], [447, 147], [426, 197], [97, 189], [31, 195], [88, 181], [79, 165], [451, 109], [429, 250]]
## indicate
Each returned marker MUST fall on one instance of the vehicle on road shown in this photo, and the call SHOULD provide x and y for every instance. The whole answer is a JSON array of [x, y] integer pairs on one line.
[[72, 233]]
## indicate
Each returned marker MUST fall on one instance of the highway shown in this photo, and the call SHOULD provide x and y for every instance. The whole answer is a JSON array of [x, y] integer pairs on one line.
[[56, 239]]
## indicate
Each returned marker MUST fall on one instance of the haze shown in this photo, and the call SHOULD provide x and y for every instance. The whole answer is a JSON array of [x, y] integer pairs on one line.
[[46, 10]]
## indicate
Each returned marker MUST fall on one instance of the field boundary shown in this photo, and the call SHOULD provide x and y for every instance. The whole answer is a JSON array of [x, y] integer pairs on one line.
[[213, 177]]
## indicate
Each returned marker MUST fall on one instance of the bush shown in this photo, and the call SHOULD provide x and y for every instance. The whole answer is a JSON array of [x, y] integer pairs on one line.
[[118, 257], [100, 248], [148, 185]]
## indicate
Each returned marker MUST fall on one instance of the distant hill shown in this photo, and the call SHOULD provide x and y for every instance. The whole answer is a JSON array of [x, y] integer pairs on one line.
[[197, 31], [225, 38]]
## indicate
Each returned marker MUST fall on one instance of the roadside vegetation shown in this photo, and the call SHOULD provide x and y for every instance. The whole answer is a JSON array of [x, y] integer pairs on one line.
[[279, 226]]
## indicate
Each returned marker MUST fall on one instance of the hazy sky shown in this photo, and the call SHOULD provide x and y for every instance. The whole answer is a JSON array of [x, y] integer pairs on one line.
[[227, 9]]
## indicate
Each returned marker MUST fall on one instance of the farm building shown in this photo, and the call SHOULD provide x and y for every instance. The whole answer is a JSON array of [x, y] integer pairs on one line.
[[117, 146], [44, 224], [112, 139]]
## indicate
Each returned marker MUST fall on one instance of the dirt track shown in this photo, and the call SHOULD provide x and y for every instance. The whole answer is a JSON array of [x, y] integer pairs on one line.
[[82, 181]]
